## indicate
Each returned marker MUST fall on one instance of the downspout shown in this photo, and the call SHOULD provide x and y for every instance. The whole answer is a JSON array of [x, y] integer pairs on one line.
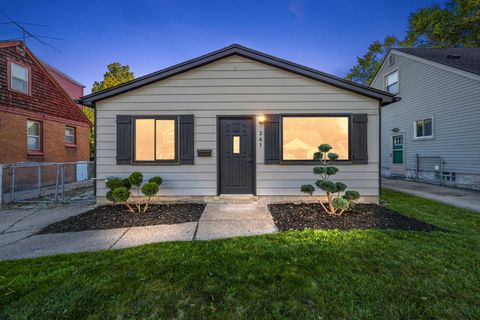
[[94, 150], [379, 150]]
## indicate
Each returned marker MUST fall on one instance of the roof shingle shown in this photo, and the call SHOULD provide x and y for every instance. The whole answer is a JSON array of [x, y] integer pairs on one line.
[[466, 59]]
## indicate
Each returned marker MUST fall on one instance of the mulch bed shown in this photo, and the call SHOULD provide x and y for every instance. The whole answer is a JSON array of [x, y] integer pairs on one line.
[[290, 216], [117, 216]]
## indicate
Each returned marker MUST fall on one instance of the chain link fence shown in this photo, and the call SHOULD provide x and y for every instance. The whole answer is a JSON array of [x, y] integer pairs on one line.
[[47, 182]]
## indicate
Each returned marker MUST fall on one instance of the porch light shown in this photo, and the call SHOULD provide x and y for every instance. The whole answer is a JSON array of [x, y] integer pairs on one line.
[[261, 118]]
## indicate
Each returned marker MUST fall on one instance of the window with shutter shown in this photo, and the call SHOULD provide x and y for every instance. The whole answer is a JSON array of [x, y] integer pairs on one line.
[[155, 139]]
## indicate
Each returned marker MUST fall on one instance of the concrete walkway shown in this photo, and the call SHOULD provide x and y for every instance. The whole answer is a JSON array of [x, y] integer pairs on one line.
[[461, 198], [18, 230], [224, 220]]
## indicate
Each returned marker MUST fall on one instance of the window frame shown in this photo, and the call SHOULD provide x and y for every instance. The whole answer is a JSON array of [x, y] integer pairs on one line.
[[319, 115], [38, 151], [415, 136], [398, 81], [10, 77], [175, 161], [74, 143]]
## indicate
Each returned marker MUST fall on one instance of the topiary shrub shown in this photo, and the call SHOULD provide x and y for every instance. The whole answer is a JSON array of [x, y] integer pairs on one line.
[[121, 195], [149, 189], [120, 190], [136, 179], [158, 180], [336, 204]]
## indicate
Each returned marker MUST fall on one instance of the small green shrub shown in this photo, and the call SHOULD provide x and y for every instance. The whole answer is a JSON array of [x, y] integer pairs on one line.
[[135, 179], [307, 188], [127, 184], [114, 183], [121, 195], [336, 204], [120, 190], [158, 180], [109, 196], [149, 189]]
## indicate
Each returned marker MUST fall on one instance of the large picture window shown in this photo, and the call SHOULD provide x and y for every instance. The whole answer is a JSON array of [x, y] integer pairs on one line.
[[301, 136], [156, 139]]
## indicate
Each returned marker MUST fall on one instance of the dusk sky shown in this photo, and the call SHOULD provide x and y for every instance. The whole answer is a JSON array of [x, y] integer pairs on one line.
[[151, 35]]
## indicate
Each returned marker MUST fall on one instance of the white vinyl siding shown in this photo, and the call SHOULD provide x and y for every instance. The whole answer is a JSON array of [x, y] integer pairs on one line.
[[234, 86]]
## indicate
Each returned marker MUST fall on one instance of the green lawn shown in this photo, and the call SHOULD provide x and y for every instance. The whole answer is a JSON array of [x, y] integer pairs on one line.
[[311, 274]]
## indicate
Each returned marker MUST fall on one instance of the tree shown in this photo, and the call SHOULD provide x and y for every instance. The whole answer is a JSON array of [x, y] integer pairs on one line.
[[456, 24], [367, 65], [116, 74], [90, 115], [336, 204]]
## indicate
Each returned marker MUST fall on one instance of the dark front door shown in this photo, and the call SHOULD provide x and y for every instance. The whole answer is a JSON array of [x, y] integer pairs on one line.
[[236, 155]]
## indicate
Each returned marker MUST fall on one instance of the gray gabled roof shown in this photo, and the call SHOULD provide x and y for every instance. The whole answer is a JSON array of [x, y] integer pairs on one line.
[[236, 49], [466, 59]]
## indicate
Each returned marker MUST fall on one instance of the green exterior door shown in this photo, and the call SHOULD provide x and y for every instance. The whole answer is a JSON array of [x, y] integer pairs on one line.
[[397, 165]]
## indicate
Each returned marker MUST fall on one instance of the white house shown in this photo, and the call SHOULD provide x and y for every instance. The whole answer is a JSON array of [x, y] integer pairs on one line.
[[223, 124]]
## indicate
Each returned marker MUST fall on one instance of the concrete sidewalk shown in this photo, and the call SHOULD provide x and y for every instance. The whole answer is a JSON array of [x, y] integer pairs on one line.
[[18, 230], [17, 224], [461, 198]]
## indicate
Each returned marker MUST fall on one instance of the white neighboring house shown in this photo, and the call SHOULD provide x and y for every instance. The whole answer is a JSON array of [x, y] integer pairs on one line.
[[433, 132], [221, 124]]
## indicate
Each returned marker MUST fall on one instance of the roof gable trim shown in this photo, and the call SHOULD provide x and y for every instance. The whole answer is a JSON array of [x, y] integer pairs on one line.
[[380, 95], [431, 63]]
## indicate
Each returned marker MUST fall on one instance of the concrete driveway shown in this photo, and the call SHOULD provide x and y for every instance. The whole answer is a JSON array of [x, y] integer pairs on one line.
[[461, 198], [18, 230]]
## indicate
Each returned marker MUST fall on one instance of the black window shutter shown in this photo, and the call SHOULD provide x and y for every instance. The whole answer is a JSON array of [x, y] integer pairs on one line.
[[124, 139], [272, 138], [359, 138], [187, 139]]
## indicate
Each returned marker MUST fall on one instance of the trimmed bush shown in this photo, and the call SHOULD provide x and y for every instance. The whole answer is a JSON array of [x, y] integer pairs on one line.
[[158, 180], [120, 190], [135, 179], [336, 204], [307, 188]]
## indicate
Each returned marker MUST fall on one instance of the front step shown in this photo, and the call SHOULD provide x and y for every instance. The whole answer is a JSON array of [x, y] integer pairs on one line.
[[235, 198]]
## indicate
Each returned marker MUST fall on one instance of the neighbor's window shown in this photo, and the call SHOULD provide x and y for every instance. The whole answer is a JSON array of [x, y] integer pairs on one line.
[[424, 128], [391, 82], [301, 136], [70, 135], [18, 78], [155, 139], [33, 135]]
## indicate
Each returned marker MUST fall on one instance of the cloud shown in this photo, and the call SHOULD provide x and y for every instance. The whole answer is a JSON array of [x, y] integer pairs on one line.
[[296, 9]]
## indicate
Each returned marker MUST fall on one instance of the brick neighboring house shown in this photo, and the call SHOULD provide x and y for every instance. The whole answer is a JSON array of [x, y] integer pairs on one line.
[[39, 121]]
